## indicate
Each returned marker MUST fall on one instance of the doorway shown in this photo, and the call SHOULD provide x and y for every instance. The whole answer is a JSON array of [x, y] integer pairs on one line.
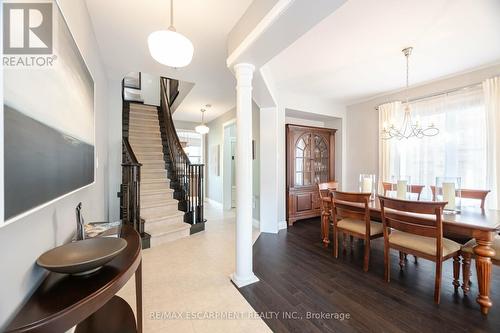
[[229, 165]]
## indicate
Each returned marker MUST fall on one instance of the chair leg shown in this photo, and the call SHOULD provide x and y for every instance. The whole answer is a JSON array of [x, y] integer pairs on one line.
[[335, 243], [325, 229], [366, 261], [344, 241], [351, 243], [437, 285], [416, 259], [401, 260], [406, 256], [387, 263], [456, 271], [466, 262]]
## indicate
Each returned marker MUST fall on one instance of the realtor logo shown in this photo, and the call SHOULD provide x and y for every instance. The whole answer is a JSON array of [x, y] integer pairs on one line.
[[27, 28]]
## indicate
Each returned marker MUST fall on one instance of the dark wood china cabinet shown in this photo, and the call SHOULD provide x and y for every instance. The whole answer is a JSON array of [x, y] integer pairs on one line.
[[310, 159]]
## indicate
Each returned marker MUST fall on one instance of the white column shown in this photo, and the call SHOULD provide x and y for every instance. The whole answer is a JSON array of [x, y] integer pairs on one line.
[[244, 272]]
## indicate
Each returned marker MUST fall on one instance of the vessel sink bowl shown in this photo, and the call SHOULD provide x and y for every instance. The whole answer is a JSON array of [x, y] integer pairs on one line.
[[82, 257]]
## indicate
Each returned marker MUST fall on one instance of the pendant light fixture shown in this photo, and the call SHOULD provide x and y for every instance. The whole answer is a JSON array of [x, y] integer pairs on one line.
[[408, 128], [169, 47], [202, 128]]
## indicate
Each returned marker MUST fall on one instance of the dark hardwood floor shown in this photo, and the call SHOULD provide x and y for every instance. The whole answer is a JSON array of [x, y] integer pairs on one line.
[[298, 276]]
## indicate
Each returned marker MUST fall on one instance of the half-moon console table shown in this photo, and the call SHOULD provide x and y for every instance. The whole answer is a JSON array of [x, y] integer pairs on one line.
[[63, 301]]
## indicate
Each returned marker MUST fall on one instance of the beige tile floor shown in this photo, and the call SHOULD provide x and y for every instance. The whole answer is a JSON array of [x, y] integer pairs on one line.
[[190, 277]]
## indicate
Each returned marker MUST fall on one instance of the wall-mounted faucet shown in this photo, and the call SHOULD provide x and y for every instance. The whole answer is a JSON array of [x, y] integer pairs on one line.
[[80, 223]]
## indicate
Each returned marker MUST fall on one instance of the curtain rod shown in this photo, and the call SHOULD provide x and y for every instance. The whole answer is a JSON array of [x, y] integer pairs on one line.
[[446, 92]]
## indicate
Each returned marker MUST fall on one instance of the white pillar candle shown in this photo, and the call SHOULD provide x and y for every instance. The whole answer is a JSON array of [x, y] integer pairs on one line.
[[401, 189], [449, 195], [367, 185]]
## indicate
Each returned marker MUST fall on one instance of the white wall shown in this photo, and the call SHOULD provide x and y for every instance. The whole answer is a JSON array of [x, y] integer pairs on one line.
[[362, 121], [114, 110], [215, 188], [22, 241], [150, 89]]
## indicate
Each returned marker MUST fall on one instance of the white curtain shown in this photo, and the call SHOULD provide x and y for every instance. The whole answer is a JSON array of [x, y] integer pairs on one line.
[[387, 115], [459, 150], [491, 88]]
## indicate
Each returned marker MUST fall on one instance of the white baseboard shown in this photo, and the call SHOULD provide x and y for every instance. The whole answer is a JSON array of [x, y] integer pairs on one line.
[[282, 225], [214, 203]]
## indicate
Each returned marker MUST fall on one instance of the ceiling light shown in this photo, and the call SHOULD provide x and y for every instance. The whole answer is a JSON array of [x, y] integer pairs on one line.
[[169, 47], [202, 129], [408, 128]]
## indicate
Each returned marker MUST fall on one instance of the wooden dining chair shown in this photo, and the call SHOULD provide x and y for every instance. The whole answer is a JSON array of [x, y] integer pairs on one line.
[[468, 253], [422, 236], [326, 208], [415, 189], [351, 216], [469, 194]]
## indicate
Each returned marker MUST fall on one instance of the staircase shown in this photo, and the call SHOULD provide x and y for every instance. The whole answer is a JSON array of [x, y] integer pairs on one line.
[[163, 221]]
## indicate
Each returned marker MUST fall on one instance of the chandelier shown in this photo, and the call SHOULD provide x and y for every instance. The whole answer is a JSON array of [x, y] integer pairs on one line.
[[169, 47], [408, 128]]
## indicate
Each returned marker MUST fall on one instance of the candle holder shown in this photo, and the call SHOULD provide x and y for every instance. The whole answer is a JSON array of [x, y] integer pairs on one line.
[[449, 189], [367, 184]]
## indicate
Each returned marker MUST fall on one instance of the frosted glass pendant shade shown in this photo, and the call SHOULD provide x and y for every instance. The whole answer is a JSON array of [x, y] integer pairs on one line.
[[170, 48], [202, 129]]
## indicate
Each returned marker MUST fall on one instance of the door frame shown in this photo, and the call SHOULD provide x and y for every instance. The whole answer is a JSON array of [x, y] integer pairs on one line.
[[226, 164]]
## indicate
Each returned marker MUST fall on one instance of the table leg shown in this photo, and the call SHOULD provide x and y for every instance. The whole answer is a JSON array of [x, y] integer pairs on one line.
[[484, 252], [138, 296]]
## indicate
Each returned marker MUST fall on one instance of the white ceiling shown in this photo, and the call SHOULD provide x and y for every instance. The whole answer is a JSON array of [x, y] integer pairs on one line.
[[122, 28], [355, 53]]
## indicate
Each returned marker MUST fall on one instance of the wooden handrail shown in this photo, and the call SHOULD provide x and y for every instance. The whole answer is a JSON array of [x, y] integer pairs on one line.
[[130, 158], [186, 177]]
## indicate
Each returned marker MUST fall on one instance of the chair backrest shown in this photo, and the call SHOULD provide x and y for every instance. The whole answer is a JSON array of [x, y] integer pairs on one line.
[[469, 194], [423, 218], [388, 187], [325, 188], [351, 205], [417, 189]]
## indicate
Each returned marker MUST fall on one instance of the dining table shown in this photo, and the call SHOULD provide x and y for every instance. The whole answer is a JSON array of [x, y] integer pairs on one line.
[[470, 222]]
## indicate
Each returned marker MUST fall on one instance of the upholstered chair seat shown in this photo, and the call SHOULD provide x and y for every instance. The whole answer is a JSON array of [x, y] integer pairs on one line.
[[421, 243], [359, 226]]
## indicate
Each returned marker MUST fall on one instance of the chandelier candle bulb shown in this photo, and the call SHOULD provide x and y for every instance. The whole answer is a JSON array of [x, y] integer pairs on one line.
[[401, 189]]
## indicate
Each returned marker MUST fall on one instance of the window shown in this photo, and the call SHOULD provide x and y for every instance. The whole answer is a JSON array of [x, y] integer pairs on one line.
[[458, 151], [192, 144]]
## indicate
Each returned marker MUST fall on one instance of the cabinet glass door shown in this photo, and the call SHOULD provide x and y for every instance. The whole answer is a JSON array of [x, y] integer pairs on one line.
[[311, 160]]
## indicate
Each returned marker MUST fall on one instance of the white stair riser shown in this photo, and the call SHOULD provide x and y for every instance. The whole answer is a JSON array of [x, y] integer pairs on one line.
[[158, 163], [150, 226], [153, 175], [145, 140], [144, 128], [144, 134], [157, 196], [162, 239], [156, 212], [138, 148], [153, 186], [140, 116], [147, 203], [134, 115], [141, 111]]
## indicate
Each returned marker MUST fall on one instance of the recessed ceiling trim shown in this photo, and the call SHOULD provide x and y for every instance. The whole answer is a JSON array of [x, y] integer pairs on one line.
[[265, 23]]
